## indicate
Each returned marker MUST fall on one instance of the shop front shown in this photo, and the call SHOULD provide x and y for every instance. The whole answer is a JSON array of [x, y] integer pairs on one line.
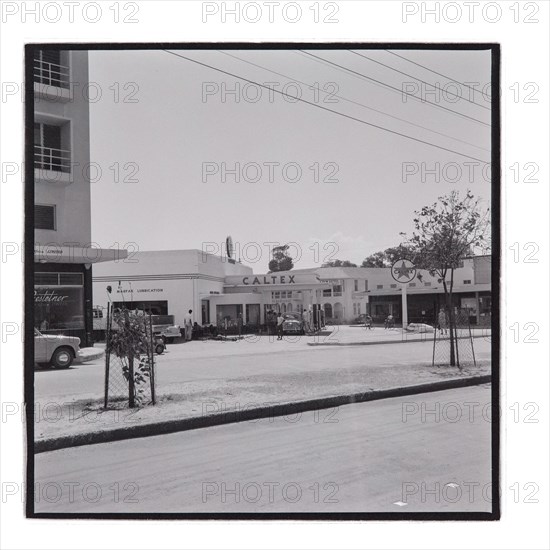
[[63, 289], [248, 299]]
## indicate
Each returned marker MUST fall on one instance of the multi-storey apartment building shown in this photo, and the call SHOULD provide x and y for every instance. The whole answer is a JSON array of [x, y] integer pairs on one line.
[[62, 215]]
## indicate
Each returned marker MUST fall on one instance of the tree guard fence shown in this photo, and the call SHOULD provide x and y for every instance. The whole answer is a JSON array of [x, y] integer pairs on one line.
[[129, 359], [453, 343]]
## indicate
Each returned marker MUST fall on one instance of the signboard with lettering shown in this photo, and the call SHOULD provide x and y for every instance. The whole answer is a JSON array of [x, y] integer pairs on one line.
[[59, 308], [270, 279]]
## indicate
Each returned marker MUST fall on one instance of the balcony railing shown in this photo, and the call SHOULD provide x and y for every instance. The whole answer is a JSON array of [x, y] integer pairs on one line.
[[47, 158], [51, 74]]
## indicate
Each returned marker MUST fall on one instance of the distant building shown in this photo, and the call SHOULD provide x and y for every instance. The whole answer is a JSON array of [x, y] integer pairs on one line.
[[62, 218], [216, 288]]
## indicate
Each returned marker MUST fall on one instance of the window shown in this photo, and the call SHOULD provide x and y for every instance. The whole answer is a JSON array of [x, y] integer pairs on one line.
[[59, 301], [467, 281], [356, 285], [379, 287], [277, 295], [412, 284], [44, 216], [49, 70], [355, 309], [48, 152], [427, 284], [289, 294], [71, 279], [337, 290], [327, 293], [393, 286]]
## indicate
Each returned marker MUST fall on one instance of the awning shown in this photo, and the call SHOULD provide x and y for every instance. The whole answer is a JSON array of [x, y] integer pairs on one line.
[[52, 253]]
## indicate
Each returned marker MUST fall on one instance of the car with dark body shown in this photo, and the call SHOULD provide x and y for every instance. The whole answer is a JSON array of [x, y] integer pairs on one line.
[[293, 324]]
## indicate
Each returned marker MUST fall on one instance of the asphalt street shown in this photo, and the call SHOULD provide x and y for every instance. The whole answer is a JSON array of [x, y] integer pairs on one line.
[[423, 453], [199, 361]]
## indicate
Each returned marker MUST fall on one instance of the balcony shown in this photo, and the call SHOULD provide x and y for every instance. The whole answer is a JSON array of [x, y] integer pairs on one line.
[[51, 80], [52, 165]]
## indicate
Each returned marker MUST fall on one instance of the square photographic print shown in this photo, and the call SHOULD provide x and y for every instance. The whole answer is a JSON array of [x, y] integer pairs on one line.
[[262, 281]]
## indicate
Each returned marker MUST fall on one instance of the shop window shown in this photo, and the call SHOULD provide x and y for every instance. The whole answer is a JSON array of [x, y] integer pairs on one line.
[[46, 279], [59, 301], [44, 216], [71, 279], [227, 314], [58, 279]]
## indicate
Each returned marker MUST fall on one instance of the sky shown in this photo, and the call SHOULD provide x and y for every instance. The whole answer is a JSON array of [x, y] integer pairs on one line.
[[165, 130]]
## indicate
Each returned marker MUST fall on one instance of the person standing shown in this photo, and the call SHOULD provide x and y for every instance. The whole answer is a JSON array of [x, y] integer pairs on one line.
[[280, 321], [305, 320], [188, 325], [442, 321], [240, 324], [368, 321]]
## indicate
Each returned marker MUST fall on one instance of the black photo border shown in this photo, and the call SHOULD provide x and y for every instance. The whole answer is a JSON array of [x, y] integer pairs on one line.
[[29, 397]]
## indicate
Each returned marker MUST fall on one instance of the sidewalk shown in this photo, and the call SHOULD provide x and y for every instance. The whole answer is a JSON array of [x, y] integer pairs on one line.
[[358, 335], [208, 402]]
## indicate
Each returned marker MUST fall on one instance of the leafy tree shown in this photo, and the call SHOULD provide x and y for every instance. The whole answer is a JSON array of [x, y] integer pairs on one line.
[[281, 260], [446, 232], [131, 343], [339, 263], [387, 257]]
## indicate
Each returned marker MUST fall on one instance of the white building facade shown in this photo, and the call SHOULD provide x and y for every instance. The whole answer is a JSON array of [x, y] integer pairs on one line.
[[218, 289], [63, 252]]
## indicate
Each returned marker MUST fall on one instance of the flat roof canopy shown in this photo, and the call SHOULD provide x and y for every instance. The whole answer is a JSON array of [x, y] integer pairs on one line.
[[54, 253]]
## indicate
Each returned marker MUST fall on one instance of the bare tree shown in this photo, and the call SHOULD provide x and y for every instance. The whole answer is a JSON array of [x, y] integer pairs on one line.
[[446, 232]]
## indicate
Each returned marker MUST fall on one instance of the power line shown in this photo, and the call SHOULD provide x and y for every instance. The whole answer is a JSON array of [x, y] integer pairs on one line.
[[401, 92], [325, 108], [354, 102], [420, 80], [435, 72]]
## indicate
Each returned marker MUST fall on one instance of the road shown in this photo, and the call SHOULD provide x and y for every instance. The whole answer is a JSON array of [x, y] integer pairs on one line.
[[199, 361], [382, 456]]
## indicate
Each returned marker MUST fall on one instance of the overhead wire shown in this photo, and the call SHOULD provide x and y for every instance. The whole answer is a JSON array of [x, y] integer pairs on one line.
[[325, 108], [353, 102]]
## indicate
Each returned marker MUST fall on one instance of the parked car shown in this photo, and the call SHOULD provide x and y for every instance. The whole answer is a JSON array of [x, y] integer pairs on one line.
[[164, 326], [56, 350], [293, 324]]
